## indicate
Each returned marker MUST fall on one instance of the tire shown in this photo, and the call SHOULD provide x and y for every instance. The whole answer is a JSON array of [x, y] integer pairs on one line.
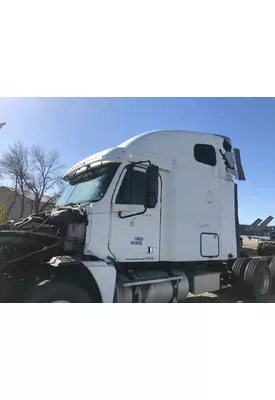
[[267, 259], [238, 269], [58, 293], [270, 249], [263, 249], [259, 248], [271, 263], [272, 266], [266, 249], [257, 281]]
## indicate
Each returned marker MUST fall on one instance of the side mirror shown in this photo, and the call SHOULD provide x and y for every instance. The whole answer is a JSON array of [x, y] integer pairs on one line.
[[152, 176]]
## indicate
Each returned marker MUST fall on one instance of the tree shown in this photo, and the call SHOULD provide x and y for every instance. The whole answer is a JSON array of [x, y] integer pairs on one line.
[[59, 188], [33, 174], [15, 165], [44, 176]]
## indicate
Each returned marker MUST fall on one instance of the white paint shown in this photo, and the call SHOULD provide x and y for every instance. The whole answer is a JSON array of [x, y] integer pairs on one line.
[[105, 277], [209, 245], [186, 212], [124, 231], [195, 199], [228, 244]]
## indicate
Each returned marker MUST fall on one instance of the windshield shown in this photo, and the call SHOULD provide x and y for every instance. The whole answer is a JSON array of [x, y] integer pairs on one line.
[[89, 186]]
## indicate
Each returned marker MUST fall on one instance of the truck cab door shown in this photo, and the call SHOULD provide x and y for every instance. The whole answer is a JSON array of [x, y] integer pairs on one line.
[[135, 228]]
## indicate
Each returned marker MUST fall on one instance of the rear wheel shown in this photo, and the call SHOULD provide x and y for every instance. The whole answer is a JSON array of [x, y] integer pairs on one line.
[[271, 263], [266, 249], [58, 293], [238, 270], [257, 281], [267, 259]]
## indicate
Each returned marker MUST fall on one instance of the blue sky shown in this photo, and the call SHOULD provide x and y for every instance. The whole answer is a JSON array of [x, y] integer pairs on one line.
[[79, 127]]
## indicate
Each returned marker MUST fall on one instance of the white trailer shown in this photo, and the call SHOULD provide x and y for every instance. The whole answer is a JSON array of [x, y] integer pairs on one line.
[[147, 221]]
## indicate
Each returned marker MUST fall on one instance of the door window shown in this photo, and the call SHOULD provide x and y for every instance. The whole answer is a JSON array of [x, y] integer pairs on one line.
[[133, 188]]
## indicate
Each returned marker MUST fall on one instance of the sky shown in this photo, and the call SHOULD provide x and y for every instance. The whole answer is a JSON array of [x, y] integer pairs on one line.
[[79, 127]]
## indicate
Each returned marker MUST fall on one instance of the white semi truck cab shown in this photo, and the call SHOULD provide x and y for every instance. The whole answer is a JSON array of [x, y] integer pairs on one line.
[[150, 220]]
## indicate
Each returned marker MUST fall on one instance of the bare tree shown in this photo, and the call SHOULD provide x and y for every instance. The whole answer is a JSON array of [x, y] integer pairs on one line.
[[15, 165], [44, 176], [33, 173], [60, 187], [15, 196]]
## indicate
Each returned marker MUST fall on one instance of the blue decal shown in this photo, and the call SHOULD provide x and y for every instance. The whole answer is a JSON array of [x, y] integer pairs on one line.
[[139, 238], [137, 241]]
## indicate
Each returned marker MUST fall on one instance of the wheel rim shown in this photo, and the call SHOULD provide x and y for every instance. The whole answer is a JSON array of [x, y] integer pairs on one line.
[[264, 282]]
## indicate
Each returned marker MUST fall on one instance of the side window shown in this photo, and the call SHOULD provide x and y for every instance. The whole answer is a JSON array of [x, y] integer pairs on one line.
[[205, 154], [133, 188]]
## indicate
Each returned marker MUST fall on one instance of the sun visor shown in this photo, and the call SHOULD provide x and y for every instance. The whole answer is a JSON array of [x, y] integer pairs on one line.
[[116, 154]]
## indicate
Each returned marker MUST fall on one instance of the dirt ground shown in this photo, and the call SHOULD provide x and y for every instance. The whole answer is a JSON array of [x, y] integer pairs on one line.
[[223, 297], [226, 296]]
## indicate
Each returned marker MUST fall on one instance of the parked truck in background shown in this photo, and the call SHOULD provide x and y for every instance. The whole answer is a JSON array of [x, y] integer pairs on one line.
[[150, 220]]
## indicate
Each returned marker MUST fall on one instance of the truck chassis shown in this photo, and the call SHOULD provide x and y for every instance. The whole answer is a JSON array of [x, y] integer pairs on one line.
[[33, 269]]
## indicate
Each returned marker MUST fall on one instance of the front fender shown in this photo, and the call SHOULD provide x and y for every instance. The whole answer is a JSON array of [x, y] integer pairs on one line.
[[105, 277], [96, 277]]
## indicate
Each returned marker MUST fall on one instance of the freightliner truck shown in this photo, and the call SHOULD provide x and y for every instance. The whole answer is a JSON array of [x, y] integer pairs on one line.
[[151, 220]]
